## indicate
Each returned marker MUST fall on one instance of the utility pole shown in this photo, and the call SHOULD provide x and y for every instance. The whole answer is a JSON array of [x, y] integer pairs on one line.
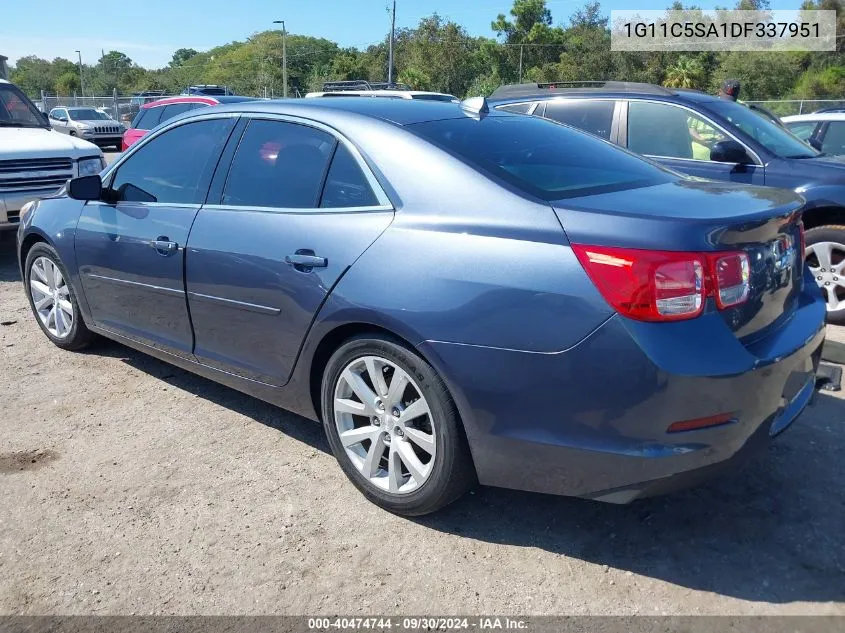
[[81, 80], [520, 63], [390, 47], [284, 59]]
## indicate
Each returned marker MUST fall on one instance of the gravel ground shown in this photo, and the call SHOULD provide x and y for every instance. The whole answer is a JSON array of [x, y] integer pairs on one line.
[[132, 487]]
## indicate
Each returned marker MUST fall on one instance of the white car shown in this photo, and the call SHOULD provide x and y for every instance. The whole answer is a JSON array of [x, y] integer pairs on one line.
[[35, 161], [823, 130]]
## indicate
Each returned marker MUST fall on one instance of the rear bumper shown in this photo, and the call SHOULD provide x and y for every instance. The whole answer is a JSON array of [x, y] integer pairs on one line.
[[591, 421]]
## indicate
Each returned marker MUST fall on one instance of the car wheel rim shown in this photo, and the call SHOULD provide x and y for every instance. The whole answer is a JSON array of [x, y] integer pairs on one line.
[[385, 424], [51, 297], [827, 263]]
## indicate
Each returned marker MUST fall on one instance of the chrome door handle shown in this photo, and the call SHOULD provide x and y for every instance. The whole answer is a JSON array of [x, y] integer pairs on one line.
[[163, 246], [304, 260]]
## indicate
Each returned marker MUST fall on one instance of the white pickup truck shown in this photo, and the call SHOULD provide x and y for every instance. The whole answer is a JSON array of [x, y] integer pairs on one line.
[[35, 161]]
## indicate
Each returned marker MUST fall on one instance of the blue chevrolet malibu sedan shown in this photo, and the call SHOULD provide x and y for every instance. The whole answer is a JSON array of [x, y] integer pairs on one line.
[[458, 295]]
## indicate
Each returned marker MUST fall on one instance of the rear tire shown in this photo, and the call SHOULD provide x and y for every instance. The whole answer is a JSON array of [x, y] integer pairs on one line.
[[826, 258], [52, 299], [404, 448]]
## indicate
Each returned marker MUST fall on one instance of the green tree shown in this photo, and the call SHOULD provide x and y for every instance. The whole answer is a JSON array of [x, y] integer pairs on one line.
[[181, 56], [687, 72], [68, 83]]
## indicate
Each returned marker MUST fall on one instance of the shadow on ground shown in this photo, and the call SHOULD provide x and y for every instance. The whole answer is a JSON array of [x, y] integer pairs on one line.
[[774, 532]]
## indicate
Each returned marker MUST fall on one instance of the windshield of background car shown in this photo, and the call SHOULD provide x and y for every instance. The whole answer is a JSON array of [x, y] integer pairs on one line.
[[16, 110], [86, 114], [771, 136], [449, 98], [542, 158]]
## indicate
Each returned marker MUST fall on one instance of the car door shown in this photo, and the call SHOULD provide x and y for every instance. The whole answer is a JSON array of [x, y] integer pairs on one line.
[[130, 248], [681, 139], [296, 209], [56, 122]]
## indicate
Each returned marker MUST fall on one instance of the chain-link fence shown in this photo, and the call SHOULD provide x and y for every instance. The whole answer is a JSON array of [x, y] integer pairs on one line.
[[786, 107], [119, 108]]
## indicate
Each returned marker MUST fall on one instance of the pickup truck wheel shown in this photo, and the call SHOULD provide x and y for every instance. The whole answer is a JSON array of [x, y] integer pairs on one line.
[[826, 259]]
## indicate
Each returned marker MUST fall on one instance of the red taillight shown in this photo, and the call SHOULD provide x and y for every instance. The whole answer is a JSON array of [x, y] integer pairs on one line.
[[665, 285], [731, 273]]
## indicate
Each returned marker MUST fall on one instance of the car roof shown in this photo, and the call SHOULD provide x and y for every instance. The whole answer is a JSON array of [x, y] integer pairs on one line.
[[632, 91], [819, 116], [378, 93], [207, 99], [398, 111]]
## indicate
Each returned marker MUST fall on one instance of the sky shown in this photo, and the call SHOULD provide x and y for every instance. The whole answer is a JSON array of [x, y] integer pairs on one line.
[[149, 31]]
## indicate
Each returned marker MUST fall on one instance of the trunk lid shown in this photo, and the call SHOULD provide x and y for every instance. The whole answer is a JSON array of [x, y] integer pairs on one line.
[[703, 216]]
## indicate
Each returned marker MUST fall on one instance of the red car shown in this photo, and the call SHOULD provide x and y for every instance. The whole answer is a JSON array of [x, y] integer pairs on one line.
[[155, 112]]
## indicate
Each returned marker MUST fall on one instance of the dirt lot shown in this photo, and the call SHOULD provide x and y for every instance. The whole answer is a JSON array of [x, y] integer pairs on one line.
[[129, 486]]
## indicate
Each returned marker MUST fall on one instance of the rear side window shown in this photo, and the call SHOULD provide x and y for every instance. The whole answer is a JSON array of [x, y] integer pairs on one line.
[[346, 185], [147, 118], [281, 165], [595, 117], [541, 158], [174, 109], [517, 108]]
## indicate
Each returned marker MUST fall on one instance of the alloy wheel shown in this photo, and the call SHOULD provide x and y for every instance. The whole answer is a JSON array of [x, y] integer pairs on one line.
[[51, 297], [385, 424], [827, 263]]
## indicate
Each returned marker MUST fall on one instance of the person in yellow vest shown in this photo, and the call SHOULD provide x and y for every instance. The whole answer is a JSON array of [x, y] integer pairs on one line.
[[701, 133]]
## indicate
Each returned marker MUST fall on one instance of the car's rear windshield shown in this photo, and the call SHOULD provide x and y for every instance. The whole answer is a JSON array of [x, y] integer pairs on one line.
[[542, 158]]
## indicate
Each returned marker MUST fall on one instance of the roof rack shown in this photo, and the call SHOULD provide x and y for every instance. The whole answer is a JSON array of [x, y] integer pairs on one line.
[[361, 84], [524, 90]]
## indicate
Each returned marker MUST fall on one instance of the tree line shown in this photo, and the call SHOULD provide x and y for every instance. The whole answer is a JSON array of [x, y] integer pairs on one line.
[[440, 55]]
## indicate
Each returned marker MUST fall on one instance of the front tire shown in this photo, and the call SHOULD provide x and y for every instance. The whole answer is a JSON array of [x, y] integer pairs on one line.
[[52, 299], [826, 259], [393, 427]]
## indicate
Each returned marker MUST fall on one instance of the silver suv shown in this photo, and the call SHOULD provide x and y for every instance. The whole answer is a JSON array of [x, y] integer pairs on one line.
[[89, 124]]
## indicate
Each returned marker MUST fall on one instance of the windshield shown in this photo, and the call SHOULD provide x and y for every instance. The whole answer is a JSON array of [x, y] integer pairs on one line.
[[542, 158], [16, 110], [86, 114], [210, 91], [771, 136]]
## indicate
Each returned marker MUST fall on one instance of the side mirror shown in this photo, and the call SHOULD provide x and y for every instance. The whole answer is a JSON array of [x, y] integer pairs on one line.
[[729, 151], [85, 188], [815, 143]]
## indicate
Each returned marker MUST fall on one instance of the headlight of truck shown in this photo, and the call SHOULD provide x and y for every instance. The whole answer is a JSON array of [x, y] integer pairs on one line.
[[91, 166]]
